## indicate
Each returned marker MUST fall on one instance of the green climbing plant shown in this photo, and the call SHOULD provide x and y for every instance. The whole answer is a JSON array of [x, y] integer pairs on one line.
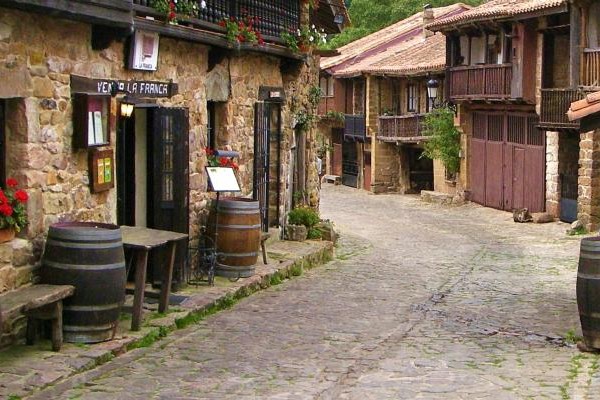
[[444, 139]]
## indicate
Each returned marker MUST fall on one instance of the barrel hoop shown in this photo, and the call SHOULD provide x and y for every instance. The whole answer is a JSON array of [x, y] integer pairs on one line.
[[240, 227], [103, 307], [588, 276], [590, 314], [78, 245], [85, 267], [590, 256], [78, 328], [221, 254], [88, 235], [233, 211]]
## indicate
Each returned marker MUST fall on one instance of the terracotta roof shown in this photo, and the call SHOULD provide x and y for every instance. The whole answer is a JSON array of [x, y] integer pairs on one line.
[[386, 38], [585, 107], [495, 9], [429, 55]]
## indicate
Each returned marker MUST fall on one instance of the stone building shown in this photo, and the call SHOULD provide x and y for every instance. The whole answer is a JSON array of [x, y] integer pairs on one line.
[[514, 67], [66, 70], [379, 84]]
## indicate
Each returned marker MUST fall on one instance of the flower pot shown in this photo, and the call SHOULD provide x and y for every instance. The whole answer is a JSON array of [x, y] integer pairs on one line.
[[6, 235], [296, 233]]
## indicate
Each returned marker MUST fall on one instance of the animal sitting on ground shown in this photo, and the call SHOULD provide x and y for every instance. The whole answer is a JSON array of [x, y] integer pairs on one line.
[[521, 215]]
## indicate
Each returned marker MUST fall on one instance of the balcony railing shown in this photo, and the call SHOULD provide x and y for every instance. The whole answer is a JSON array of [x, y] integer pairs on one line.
[[480, 82], [355, 128], [591, 69], [274, 16], [554, 106], [405, 128]]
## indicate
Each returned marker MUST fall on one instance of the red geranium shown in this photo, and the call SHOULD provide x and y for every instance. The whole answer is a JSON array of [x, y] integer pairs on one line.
[[6, 210], [21, 196], [13, 214]]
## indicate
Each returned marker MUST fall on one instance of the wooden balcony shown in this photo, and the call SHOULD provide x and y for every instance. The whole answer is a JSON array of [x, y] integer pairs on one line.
[[405, 128], [113, 13], [480, 82], [355, 128], [274, 16], [591, 68], [554, 106]]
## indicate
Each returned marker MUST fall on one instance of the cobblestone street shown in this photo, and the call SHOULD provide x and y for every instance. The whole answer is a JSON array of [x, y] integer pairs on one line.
[[422, 302]]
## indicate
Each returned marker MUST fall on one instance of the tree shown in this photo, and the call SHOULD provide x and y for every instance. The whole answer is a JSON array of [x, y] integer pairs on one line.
[[369, 16]]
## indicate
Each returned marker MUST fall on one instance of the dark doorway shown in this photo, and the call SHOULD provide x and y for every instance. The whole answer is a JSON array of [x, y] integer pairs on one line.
[[420, 170], [349, 164], [267, 162], [152, 173], [568, 168]]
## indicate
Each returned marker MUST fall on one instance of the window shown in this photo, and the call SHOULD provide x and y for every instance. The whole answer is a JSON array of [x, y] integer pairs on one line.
[[412, 104], [359, 96], [326, 84], [2, 143], [396, 109], [211, 126], [478, 49]]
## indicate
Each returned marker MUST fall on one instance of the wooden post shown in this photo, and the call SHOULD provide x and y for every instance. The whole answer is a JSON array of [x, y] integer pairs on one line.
[[165, 286], [57, 326], [141, 264], [575, 46]]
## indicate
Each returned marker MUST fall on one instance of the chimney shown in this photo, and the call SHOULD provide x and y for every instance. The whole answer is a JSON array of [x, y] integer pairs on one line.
[[427, 19]]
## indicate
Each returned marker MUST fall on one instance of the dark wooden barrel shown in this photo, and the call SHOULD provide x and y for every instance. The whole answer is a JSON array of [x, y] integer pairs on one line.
[[588, 291], [90, 257], [238, 240]]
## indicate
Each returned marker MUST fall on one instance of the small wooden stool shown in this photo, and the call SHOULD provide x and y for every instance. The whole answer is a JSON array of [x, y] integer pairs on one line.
[[263, 238], [38, 302]]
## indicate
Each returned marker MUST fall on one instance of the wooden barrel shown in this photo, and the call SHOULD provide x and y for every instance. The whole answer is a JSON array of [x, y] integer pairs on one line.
[[90, 257], [588, 290], [238, 240]]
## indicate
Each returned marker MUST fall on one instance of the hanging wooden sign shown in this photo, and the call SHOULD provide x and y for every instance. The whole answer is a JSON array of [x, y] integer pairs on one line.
[[101, 168], [134, 88]]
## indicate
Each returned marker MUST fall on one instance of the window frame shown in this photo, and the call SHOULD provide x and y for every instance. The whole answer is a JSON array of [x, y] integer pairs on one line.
[[412, 97]]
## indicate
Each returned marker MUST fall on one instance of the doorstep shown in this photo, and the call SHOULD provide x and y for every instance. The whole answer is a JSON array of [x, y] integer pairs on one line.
[[25, 370]]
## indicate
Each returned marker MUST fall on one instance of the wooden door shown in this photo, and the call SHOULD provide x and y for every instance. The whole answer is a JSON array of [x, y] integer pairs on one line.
[[367, 171], [168, 180], [477, 165]]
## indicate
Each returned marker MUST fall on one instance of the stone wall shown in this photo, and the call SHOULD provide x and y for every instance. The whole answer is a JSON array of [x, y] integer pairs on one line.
[[35, 69], [588, 207], [552, 174]]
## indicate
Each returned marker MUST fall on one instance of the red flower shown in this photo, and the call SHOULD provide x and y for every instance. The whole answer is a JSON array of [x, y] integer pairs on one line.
[[222, 23], [234, 165], [6, 210], [172, 5], [223, 161], [21, 196], [11, 182], [3, 198], [171, 15]]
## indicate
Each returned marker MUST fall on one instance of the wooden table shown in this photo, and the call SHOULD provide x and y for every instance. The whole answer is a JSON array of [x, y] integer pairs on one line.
[[141, 240]]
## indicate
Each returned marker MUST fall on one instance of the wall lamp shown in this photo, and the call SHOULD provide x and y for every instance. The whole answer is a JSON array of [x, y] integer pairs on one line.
[[127, 106]]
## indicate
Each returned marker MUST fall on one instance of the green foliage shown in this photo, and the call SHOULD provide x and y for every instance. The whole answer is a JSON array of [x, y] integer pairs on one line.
[[304, 120], [335, 115], [368, 16], [303, 216], [314, 233], [444, 139], [314, 95]]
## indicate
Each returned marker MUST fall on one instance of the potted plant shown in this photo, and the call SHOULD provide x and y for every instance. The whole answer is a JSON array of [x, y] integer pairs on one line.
[[301, 224], [172, 8], [13, 215], [304, 39], [242, 30]]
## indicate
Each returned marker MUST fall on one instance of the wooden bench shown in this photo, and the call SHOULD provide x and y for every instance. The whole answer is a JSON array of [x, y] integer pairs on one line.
[[38, 302], [335, 179]]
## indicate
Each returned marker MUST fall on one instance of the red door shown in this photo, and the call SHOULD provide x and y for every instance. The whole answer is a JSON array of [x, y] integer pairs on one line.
[[508, 161]]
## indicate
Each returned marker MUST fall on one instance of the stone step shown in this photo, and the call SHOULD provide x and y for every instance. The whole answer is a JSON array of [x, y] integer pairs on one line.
[[430, 196]]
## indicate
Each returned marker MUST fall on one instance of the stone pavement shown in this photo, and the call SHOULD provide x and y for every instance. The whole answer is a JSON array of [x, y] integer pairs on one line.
[[423, 302], [26, 369]]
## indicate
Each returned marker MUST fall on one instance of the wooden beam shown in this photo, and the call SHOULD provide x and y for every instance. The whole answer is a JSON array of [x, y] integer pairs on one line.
[[575, 47]]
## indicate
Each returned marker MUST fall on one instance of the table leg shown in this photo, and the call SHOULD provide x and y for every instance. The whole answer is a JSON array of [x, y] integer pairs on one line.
[[165, 286], [141, 264]]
